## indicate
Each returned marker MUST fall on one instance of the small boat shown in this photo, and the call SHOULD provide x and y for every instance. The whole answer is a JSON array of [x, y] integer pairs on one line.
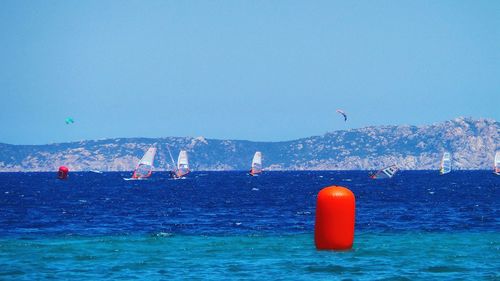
[[497, 164], [256, 164], [445, 166], [144, 168], [385, 173]]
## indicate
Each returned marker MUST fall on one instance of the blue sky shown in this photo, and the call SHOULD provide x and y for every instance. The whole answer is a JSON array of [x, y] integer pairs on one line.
[[257, 70]]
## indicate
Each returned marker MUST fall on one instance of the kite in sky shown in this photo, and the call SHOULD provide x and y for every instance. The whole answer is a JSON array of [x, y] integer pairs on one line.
[[343, 114], [69, 120]]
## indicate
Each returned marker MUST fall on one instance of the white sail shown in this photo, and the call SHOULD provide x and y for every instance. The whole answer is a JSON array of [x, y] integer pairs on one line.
[[256, 163], [497, 163], [145, 166], [387, 172], [182, 164], [445, 166]]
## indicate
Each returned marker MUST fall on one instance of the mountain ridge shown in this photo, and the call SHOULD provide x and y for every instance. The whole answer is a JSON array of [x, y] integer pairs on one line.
[[472, 143]]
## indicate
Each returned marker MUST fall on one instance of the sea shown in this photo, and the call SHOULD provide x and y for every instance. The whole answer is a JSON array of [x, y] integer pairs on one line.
[[231, 226]]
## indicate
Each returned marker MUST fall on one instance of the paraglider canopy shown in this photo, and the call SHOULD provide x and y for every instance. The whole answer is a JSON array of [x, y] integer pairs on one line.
[[343, 114], [69, 120]]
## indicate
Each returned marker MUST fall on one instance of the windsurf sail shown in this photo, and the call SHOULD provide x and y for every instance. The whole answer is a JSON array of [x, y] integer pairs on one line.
[[497, 163], [445, 166], [182, 164], [385, 173], [256, 164], [144, 168]]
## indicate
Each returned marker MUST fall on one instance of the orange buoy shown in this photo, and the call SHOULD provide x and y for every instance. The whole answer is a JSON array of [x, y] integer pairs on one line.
[[335, 215], [63, 172]]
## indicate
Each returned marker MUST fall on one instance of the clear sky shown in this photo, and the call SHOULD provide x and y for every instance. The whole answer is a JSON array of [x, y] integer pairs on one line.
[[257, 70]]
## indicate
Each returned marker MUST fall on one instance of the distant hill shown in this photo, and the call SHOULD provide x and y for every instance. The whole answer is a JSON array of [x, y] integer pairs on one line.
[[471, 142]]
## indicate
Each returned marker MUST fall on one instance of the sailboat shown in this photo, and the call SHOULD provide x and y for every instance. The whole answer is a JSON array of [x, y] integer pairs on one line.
[[144, 168], [445, 166], [182, 168], [497, 164], [256, 164], [385, 173]]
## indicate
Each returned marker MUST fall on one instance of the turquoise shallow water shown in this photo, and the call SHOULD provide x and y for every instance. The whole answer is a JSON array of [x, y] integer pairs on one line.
[[377, 256], [229, 226]]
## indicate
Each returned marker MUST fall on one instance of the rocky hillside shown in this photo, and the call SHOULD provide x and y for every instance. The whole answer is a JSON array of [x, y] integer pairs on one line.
[[472, 143]]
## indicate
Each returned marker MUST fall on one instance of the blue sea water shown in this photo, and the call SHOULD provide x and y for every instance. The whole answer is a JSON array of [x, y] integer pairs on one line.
[[227, 225]]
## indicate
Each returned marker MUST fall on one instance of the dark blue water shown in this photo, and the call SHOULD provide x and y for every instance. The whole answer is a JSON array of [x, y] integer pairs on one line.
[[229, 226], [232, 203]]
